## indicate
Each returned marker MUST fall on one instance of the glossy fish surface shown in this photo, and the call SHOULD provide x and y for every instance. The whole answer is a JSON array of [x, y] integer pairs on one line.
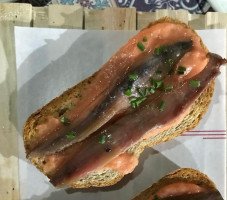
[[150, 118], [159, 64]]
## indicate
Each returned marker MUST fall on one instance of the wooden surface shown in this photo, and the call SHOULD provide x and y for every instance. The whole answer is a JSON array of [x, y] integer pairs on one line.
[[60, 16], [111, 19], [9, 16], [8, 133]]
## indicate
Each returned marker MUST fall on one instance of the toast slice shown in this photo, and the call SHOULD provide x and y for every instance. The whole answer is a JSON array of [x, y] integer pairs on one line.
[[109, 177], [185, 175]]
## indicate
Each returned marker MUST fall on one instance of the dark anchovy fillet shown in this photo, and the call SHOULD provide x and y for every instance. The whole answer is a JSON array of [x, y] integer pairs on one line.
[[89, 154], [212, 195], [116, 102]]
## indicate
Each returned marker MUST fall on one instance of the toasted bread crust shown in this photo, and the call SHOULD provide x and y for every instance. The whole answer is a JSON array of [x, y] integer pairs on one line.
[[111, 177], [186, 175]]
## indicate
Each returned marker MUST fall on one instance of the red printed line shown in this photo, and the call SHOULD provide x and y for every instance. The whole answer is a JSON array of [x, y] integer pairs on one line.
[[207, 134]]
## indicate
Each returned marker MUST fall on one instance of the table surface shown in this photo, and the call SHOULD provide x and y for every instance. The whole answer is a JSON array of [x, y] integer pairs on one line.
[[62, 16]]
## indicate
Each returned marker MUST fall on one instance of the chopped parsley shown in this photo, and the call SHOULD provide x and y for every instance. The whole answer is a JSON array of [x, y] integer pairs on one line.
[[152, 89], [146, 91], [71, 135], [64, 120], [141, 92], [181, 70], [137, 101], [102, 139], [141, 46], [159, 50], [128, 92], [156, 83], [132, 98], [194, 83], [133, 77], [133, 104], [161, 106]]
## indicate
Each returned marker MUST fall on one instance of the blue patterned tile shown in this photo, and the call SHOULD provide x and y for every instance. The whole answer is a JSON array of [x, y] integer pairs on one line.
[[193, 6], [94, 4]]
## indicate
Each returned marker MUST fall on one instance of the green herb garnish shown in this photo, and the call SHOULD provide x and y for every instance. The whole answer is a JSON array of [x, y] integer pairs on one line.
[[159, 50], [146, 91], [135, 103], [144, 39], [181, 70], [71, 135], [194, 83], [161, 106], [132, 98], [133, 77], [152, 89], [64, 120], [141, 92], [128, 92], [141, 46], [156, 83], [102, 139], [140, 100]]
